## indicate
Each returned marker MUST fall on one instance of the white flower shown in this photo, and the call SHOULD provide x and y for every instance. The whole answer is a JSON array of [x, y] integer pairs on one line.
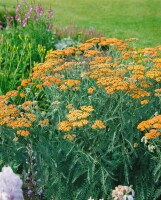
[[132, 192], [4, 196], [144, 140], [125, 197], [123, 193], [128, 197], [151, 148], [10, 185]]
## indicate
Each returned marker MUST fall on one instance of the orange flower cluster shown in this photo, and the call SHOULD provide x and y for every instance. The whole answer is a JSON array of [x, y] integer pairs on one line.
[[144, 102], [91, 90], [152, 133], [23, 133], [64, 126], [49, 81], [92, 53], [19, 123], [25, 82], [157, 92], [27, 105], [12, 115], [44, 122], [70, 83], [154, 74], [114, 77], [69, 106], [122, 69], [75, 115], [76, 118], [149, 52], [98, 124], [12, 93], [107, 71], [152, 125], [69, 137], [7, 113], [100, 59]]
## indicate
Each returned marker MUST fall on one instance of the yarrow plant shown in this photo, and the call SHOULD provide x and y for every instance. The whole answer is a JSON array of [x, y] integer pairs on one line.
[[10, 185], [84, 110]]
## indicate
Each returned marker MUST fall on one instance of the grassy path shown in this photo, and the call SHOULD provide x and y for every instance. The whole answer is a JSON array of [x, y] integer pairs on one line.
[[114, 18]]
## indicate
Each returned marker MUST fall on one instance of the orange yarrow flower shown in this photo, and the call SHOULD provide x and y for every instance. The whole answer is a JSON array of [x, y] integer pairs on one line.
[[98, 124]]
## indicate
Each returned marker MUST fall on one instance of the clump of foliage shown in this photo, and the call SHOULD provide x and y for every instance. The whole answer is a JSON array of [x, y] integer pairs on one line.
[[6, 15], [24, 40], [73, 36], [81, 112], [76, 33]]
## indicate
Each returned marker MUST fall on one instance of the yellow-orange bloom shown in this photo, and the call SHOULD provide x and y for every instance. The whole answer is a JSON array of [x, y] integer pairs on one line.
[[69, 137], [22, 94], [152, 133], [69, 106], [64, 126], [23, 133], [144, 102], [87, 108], [91, 90], [44, 122], [98, 124]]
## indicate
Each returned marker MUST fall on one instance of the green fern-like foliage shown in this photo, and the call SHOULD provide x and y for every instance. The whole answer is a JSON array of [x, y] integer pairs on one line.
[[71, 173]]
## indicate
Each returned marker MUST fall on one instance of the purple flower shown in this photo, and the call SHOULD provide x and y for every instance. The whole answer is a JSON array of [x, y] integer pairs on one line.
[[24, 22], [29, 192], [24, 3], [91, 32], [40, 10], [40, 192], [18, 8], [28, 13], [35, 18], [10, 18], [50, 13], [31, 8], [18, 17]]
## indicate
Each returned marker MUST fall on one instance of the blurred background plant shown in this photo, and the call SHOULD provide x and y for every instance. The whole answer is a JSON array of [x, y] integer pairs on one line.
[[25, 37], [77, 33], [73, 36]]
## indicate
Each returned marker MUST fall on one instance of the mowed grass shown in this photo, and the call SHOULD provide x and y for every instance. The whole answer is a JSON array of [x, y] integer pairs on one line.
[[114, 18]]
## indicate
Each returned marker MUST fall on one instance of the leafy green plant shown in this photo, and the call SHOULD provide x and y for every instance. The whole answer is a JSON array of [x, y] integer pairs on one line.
[[76, 33], [66, 42], [22, 45], [6, 16]]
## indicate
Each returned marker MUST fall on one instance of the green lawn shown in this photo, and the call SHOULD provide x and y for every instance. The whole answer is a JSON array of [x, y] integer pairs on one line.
[[114, 18]]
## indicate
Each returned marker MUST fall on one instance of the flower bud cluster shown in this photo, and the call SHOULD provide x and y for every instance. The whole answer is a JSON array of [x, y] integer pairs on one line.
[[31, 176]]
